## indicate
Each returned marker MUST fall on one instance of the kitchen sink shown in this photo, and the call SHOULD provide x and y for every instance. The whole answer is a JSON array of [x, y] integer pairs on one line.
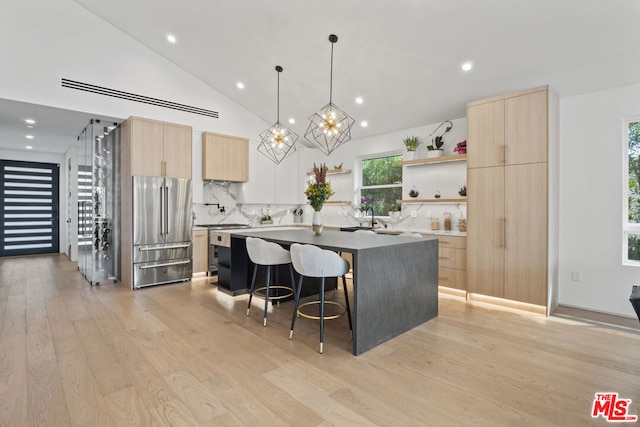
[[354, 228]]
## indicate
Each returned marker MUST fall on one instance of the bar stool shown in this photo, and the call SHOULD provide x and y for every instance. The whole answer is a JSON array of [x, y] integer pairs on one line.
[[268, 254], [410, 234], [364, 232], [311, 261]]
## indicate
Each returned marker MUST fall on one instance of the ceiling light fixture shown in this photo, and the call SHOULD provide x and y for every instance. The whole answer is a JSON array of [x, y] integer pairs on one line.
[[29, 136], [30, 121], [364, 123], [28, 147], [292, 121], [278, 141], [359, 100], [467, 66], [240, 85], [171, 38], [330, 127]]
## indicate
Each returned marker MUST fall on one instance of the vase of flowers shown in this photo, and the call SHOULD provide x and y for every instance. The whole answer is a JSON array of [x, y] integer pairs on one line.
[[318, 192]]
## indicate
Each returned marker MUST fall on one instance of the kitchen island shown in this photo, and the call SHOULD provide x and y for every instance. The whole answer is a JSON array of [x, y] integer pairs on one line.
[[395, 279]]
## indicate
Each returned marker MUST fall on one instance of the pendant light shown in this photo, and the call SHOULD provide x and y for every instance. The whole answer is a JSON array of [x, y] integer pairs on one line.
[[330, 126], [278, 141]]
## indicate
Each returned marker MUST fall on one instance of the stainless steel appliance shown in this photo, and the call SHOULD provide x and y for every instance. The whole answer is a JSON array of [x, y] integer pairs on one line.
[[162, 226], [217, 238]]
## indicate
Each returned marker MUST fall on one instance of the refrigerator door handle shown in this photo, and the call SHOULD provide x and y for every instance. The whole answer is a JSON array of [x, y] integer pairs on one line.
[[166, 210], [163, 247], [166, 264], [161, 211]]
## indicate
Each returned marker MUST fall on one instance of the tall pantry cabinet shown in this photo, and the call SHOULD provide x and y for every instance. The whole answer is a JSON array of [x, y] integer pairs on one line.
[[512, 202]]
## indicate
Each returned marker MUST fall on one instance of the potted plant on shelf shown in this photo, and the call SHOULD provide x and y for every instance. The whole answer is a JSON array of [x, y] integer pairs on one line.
[[411, 143], [394, 211], [435, 149]]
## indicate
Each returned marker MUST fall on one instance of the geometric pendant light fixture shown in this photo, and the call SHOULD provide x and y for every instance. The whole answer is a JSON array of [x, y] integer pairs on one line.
[[330, 126], [278, 141]]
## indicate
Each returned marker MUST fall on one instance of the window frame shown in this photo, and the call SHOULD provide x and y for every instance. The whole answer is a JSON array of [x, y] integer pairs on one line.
[[360, 187], [627, 227]]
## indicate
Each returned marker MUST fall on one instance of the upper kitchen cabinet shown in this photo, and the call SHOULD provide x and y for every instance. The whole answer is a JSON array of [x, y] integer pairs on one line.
[[508, 130], [154, 148], [270, 183], [225, 158]]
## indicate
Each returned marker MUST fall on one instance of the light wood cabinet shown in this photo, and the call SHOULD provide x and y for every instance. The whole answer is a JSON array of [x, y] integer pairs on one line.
[[200, 251], [224, 157], [508, 198], [158, 149], [485, 250], [508, 130], [452, 262]]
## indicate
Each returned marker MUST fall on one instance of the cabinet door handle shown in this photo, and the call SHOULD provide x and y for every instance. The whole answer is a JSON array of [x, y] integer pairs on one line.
[[163, 168], [503, 153], [443, 257], [503, 232]]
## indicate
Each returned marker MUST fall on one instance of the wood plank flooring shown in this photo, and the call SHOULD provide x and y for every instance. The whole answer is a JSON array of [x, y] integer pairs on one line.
[[186, 355]]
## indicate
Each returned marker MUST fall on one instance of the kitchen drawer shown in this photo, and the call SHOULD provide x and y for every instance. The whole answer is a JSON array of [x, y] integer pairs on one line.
[[220, 238], [452, 278], [452, 242], [452, 258]]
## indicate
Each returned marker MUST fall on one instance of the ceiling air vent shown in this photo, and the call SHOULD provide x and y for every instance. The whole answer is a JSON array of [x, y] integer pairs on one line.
[[86, 87]]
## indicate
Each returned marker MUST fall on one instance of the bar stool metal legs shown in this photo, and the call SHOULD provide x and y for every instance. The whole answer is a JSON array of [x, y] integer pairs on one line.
[[267, 290]]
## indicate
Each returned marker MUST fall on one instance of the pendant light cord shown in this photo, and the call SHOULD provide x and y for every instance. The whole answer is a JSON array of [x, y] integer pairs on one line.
[[331, 76]]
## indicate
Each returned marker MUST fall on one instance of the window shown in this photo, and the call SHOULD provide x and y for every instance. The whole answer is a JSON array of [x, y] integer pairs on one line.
[[382, 181], [631, 227]]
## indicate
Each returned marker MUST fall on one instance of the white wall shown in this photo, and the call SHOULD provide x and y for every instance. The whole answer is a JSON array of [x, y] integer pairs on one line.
[[591, 197]]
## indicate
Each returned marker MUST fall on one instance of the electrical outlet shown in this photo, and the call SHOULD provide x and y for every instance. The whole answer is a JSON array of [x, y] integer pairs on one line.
[[414, 214], [576, 276]]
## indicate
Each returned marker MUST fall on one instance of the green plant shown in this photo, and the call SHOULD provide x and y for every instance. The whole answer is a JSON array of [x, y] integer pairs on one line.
[[394, 208], [411, 142], [437, 144]]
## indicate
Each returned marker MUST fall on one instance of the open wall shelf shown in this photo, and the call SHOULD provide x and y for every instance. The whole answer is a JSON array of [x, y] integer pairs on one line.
[[434, 160], [424, 201]]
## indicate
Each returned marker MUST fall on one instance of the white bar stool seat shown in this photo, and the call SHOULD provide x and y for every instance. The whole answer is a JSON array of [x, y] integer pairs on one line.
[[410, 234], [311, 261], [268, 254]]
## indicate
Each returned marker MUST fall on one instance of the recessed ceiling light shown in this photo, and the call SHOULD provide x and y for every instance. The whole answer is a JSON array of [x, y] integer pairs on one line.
[[292, 120], [171, 38], [240, 85], [30, 121], [359, 100], [364, 123], [30, 126], [29, 136], [28, 147], [467, 66]]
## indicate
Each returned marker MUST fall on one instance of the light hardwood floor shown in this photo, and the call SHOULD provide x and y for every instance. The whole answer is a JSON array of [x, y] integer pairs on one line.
[[184, 354]]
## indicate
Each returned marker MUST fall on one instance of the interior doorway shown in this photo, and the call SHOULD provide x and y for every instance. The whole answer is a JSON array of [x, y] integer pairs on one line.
[[29, 208]]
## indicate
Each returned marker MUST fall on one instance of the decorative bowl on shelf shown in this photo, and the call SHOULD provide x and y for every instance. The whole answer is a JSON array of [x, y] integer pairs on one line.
[[413, 192], [463, 191], [437, 195]]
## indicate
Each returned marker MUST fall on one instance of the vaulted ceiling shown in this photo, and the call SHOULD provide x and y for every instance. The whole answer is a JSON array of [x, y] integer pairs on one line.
[[403, 57]]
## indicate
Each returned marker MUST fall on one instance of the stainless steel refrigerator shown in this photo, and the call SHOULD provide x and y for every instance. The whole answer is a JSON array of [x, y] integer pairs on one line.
[[162, 224]]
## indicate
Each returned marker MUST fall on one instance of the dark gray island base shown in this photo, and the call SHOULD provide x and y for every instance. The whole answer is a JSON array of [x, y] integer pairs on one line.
[[395, 279]]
